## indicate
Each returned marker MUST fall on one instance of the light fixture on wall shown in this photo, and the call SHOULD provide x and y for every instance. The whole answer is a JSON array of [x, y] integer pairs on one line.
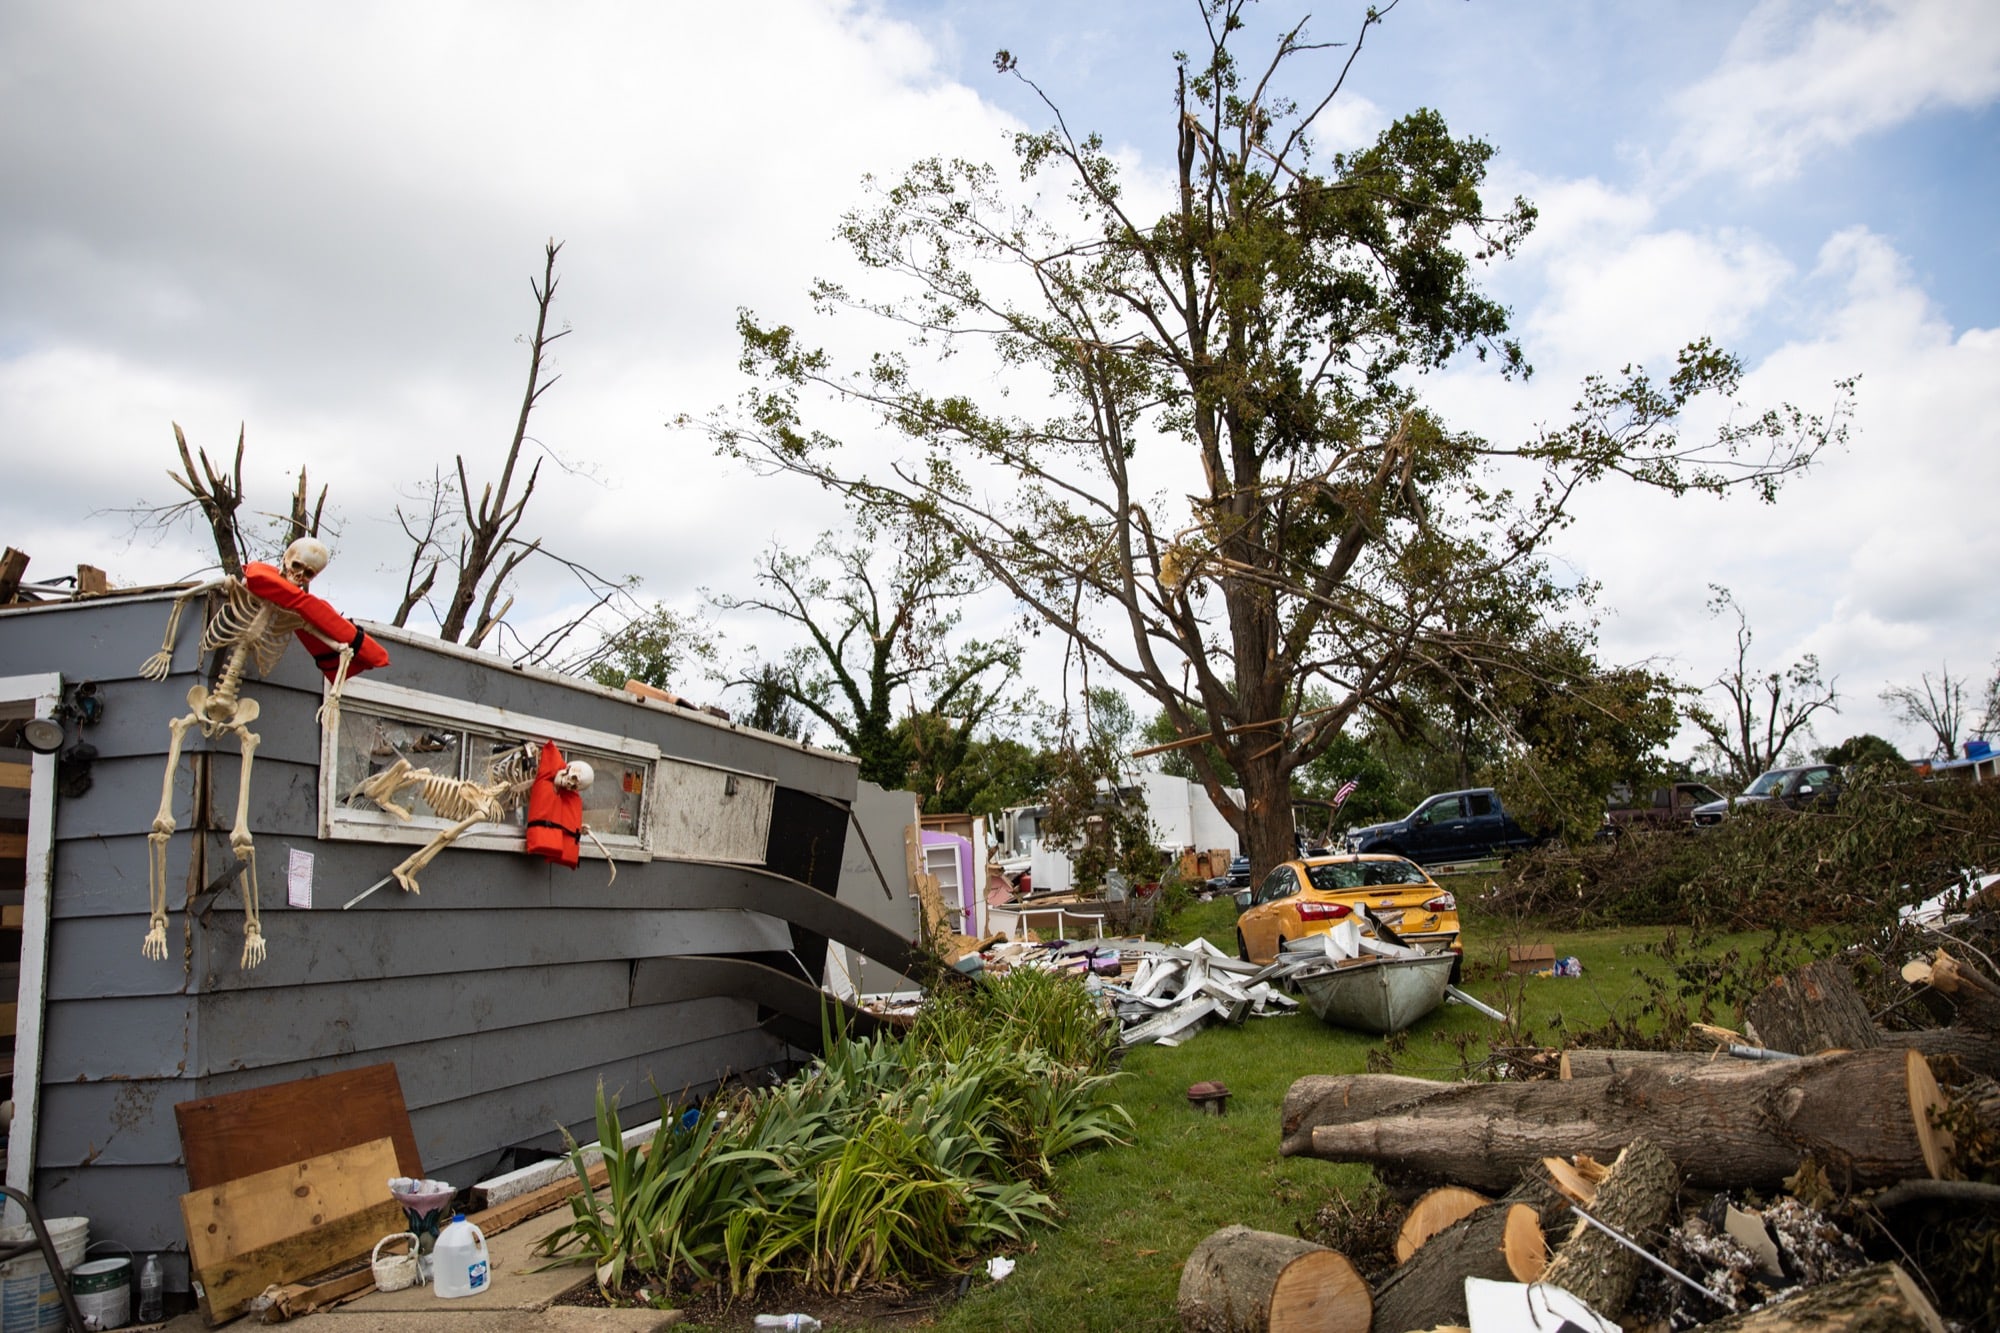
[[728, 784], [43, 735]]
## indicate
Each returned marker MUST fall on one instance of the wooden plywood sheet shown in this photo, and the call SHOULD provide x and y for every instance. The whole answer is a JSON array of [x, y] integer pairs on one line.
[[288, 1222], [242, 1133]]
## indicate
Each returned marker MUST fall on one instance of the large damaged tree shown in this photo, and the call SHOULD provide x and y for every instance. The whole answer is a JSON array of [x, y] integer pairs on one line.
[[1205, 455]]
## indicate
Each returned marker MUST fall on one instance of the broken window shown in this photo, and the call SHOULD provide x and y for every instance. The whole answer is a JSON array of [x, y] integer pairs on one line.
[[382, 725]]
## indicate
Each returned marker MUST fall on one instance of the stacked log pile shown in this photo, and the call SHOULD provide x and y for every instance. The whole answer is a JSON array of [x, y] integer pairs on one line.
[[1626, 1174]]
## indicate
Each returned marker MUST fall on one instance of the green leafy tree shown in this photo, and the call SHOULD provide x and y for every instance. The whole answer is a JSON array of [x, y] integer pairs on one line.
[[1866, 750], [661, 647], [772, 710], [1263, 342], [880, 641]]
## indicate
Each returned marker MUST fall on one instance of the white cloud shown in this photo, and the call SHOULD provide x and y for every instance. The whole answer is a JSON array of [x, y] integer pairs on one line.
[[1802, 79]]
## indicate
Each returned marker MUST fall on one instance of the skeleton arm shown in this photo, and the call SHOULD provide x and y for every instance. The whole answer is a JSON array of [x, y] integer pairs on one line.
[[159, 664], [605, 852]]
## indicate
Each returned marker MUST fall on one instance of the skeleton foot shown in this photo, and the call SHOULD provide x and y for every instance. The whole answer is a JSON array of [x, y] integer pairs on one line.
[[155, 944], [407, 878], [253, 946]]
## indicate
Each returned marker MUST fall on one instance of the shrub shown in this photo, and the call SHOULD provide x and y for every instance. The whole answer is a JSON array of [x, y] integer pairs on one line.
[[886, 1161]]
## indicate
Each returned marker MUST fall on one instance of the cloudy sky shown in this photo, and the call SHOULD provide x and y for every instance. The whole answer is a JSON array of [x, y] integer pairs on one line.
[[320, 222]]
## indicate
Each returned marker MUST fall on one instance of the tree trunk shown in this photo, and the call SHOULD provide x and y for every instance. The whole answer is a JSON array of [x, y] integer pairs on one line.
[[1244, 1281], [1861, 1114], [1812, 1009], [1632, 1200], [1267, 807], [1977, 1050], [1502, 1241], [1881, 1299]]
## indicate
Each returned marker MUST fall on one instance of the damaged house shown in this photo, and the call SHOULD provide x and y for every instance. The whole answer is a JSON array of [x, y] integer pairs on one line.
[[502, 993]]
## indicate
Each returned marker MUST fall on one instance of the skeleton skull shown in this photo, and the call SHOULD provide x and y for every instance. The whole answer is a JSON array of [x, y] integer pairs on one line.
[[575, 776], [304, 558]]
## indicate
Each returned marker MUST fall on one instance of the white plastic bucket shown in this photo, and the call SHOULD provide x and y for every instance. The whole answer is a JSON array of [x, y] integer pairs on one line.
[[103, 1291], [28, 1299]]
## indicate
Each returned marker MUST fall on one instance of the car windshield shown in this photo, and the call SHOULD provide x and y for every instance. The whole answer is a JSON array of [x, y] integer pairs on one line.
[[1768, 783], [1342, 876]]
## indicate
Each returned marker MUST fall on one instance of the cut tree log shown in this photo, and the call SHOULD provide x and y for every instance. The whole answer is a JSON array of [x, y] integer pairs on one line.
[[1339, 1099], [1880, 1299], [1244, 1281], [1502, 1241], [1432, 1213], [1973, 1038], [1864, 1115], [1812, 1009], [1592, 1063], [1633, 1200]]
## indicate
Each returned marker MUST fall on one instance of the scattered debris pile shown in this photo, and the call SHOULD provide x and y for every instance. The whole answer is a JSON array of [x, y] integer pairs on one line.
[[1822, 1175], [1178, 989]]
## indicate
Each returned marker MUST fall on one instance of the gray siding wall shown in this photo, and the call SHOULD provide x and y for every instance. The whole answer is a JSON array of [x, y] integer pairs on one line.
[[504, 993], [883, 815]]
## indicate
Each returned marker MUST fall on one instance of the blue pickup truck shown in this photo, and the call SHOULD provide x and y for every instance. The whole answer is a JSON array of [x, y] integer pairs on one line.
[[1452, 826]]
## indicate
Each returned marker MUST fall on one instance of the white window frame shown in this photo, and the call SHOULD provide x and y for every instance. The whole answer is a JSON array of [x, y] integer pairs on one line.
[[338, 821]]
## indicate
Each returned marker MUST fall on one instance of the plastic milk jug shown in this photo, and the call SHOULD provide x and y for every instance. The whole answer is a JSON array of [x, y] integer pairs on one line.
[[459, 1266]]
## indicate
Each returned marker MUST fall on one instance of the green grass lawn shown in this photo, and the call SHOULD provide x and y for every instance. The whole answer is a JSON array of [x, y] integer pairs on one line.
[[1134, 1213]]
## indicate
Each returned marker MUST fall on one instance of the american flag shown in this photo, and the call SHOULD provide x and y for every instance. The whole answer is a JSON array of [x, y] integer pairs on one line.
[[1346, 790]]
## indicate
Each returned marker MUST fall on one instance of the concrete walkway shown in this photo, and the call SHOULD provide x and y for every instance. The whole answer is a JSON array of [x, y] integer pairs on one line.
[[518, 1300]]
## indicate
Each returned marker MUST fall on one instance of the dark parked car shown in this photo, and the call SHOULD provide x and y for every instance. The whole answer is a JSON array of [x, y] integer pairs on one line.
[[1806, 785], [1452, 826]]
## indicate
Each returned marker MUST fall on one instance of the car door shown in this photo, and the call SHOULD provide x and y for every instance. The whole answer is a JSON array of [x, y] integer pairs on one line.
[[1260, 925], [1437, 830], [1485, 826], [1813, 786]]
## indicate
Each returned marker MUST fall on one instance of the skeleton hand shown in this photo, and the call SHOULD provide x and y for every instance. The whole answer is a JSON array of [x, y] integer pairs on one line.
[[158, 665]]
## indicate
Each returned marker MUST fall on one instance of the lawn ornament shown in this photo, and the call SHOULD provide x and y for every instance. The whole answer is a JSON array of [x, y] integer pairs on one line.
[[260, 613]]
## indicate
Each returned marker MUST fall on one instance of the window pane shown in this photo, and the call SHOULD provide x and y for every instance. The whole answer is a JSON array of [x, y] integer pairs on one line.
[[372, 742], [617, 795], [493, 759]]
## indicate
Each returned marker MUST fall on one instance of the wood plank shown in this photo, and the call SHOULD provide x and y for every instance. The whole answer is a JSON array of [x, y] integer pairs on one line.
[[265, 1222], [13, 846], [242, 1133], [13, 565], [521, 1207], [15, 776], [12, 916], [91, 581], [302, 1298], [230, 1284]]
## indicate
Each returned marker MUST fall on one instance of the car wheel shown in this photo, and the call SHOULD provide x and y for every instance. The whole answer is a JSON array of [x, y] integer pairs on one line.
[[1242, 949]]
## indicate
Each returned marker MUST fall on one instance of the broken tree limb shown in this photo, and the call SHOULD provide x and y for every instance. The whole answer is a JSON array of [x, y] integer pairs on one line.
[[1244, 1281], [1632, 1200], [1502, 1241], [1881, 1299], [1812, 1009], [1864, 1115]]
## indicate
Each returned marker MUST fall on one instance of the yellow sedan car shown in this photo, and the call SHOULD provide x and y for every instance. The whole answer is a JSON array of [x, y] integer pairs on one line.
[[1311, 896]]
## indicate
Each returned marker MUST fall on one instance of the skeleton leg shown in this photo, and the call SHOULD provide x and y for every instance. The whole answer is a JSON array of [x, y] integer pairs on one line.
[[406, 873], [154, 946], [239, 835]]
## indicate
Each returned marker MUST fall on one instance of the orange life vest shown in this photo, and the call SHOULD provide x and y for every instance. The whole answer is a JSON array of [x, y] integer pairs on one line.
[[325, 632], [555, 818]]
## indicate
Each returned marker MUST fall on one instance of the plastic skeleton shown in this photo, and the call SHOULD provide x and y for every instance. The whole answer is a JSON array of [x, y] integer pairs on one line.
[[464, 801], [249, 629]]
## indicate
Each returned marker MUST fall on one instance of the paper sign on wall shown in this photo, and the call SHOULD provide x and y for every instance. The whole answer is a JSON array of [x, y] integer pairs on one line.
[[299, 879]]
